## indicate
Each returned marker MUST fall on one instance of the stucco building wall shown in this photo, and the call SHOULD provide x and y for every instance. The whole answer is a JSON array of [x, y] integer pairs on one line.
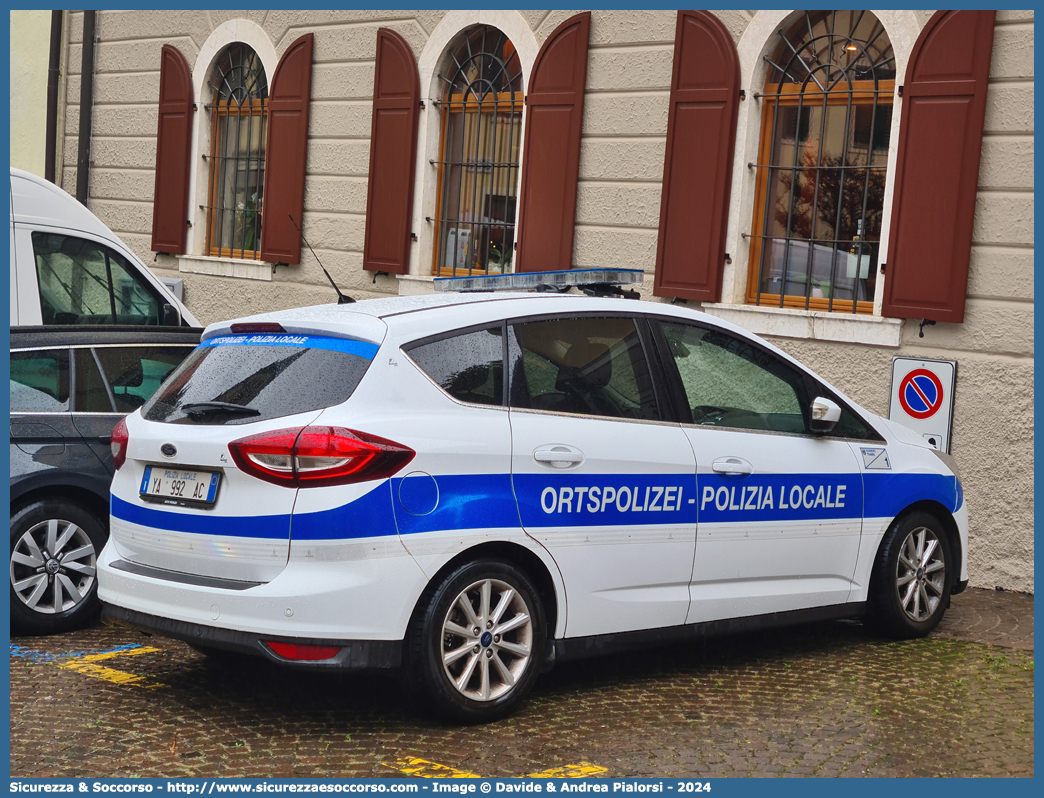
[[30, 48], [618, 204], [993, 413]]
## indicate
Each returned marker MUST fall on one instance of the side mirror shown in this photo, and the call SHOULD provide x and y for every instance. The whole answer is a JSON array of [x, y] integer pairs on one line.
[[825, 415], [170, 316]]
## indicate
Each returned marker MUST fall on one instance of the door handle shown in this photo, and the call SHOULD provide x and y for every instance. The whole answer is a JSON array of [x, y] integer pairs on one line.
[[732, 466], [559, 456]]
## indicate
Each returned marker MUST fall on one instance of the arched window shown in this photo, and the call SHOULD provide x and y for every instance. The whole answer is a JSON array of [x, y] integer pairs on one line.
[[826, 120], [481, 118], [239, 125]]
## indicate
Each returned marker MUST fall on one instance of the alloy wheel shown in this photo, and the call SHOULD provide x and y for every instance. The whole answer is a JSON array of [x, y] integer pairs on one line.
[[487, 640], [53, 567], [920, 574]]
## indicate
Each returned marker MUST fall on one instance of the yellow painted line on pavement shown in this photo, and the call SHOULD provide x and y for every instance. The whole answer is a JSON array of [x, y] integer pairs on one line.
[[86, 666], [583, 770], [126, 652], [422, 768]]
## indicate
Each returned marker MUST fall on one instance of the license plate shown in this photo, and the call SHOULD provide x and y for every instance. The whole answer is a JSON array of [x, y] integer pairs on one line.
[[179, 486]]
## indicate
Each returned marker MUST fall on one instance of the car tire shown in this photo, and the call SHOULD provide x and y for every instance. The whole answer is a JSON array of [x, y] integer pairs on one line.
[[910, 585], [477, 666], [54, 591]]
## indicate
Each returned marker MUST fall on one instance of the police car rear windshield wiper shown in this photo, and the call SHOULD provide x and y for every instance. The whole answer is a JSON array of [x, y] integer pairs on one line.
[[203, 408]]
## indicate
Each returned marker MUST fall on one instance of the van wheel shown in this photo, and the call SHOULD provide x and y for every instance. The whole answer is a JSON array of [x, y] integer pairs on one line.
[[54, 557], [474, 646], [910, 587]]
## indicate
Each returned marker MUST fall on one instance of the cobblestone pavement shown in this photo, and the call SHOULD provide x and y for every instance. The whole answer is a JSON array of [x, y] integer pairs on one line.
[[825, 700]]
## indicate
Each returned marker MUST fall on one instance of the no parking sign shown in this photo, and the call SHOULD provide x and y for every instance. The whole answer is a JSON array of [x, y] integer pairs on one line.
[[922, 397]]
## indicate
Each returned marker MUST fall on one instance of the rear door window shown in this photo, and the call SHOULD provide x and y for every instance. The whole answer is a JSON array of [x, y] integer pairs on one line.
[[469, 366], [40, 381], [82, 282], [587, 365], [239, 379]]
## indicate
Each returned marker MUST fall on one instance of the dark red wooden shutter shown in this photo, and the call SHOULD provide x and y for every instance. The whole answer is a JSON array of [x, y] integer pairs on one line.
[[937, 170], [286, 153], [551, 156], [173, 152], [393, 154], [697, 168]]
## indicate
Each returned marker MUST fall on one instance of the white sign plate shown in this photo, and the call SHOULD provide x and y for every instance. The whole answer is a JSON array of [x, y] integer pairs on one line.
[[921, 397]]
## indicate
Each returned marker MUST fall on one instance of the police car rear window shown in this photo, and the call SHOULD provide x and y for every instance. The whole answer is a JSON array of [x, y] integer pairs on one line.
[[240, 379]]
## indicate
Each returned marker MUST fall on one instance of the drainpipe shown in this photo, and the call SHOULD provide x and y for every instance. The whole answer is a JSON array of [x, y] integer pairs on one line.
[[83, 152], [54, 60]]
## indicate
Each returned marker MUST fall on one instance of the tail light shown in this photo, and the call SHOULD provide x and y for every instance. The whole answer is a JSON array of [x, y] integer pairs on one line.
[[118, 444], [316, 456]]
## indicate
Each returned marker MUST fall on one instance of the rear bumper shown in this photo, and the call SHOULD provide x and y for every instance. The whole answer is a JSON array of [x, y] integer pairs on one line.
[[354, 654], [363, 589]]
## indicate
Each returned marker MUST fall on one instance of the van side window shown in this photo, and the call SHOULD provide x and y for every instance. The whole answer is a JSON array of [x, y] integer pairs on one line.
[[82, 282]]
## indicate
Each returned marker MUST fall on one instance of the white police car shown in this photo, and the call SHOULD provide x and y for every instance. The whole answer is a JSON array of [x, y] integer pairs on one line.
[[475, 486]]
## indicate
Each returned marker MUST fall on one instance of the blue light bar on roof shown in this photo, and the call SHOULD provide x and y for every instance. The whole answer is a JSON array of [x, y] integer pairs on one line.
[[540, 281]]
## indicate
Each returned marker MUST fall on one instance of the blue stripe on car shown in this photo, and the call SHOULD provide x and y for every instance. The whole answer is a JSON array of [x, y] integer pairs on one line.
[[202, 522], [363, 349], [578, 500], [889, 494], [368, 516], [486, 501], [470, 501]]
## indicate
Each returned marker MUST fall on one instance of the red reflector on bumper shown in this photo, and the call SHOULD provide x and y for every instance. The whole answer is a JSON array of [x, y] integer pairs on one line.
[[305, 653]]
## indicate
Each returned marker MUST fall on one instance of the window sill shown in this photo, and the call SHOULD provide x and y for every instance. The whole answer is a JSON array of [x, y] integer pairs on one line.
[[225, 267], [811, 324], [415, 284]]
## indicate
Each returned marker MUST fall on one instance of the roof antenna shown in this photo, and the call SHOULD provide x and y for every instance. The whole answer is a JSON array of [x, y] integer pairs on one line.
[[341, 298]]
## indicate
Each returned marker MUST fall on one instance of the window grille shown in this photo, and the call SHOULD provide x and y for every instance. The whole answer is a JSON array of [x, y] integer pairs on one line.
[[239, 125], [826, 121], [481, 116]]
